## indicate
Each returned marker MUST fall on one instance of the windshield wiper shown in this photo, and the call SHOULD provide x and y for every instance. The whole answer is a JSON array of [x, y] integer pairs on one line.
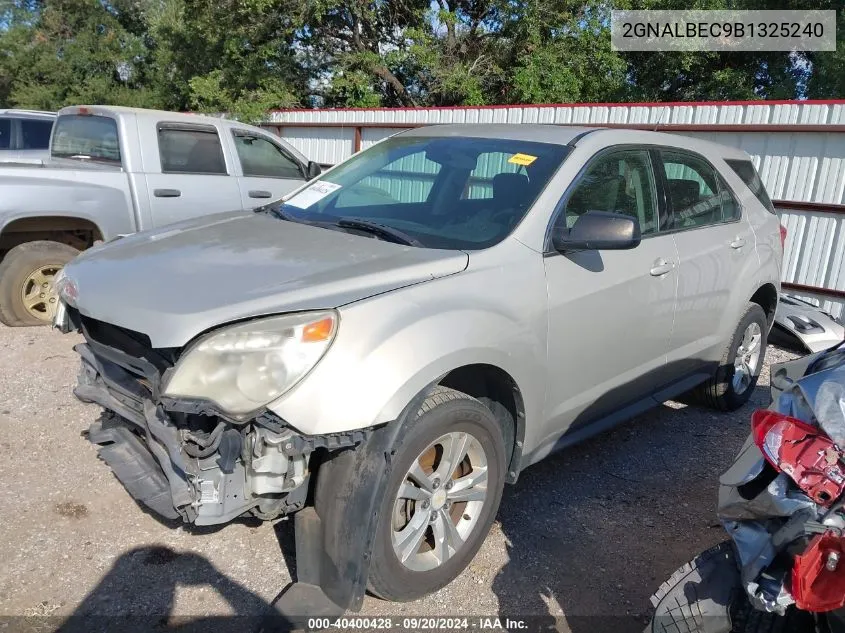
[[382, 231], [275, 209]]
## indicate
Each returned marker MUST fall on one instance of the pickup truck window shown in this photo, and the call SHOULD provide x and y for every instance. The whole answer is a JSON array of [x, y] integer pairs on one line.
[[5, 133], [190, 151], [264, 159], [86, 137], [36, 134]]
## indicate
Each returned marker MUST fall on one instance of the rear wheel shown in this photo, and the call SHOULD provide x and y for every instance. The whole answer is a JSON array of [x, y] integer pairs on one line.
[[706, 596], [736, 377], [442, 495], [27, 295]]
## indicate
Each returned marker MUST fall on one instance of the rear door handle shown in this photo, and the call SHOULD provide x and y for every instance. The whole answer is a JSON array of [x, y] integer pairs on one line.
[[260, 193], [661, 267], [738, 242], [167, 193]]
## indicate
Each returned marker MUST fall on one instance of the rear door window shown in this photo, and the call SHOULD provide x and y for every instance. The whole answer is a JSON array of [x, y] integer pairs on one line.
[[190, 150], [697, 194], [731, 209], [745, 170], [35, 134]]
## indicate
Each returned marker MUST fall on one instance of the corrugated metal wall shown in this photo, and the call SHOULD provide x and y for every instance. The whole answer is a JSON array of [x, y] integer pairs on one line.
[[798, 148], [748, 113]]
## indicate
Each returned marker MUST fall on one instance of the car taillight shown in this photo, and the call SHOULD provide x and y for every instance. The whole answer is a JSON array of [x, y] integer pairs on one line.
[[818, 575], [782, 235], [801, 451]]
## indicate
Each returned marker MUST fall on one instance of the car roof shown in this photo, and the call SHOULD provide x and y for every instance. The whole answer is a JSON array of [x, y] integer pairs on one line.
[[139, 113], [556, 134], [572, 135], [27, 114]]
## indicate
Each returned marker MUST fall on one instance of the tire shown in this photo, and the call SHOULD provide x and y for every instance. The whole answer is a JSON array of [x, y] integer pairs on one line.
[[697, 598], [444, 412], [720, 392], [706, 596], [16, 268], [747, 619]]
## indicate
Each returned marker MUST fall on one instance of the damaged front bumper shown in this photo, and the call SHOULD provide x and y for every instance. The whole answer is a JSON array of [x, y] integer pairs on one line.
[[200, 467]]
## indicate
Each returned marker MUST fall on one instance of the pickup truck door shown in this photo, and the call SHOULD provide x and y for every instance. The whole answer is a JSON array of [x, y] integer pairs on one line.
[[195, 178], [268, 169]]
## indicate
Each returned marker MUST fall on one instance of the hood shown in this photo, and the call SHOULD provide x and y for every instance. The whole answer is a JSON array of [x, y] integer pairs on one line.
[[176, 282]]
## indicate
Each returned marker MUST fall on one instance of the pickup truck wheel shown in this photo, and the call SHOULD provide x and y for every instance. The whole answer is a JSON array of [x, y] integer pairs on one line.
[[27, 271], [735, 379], [442, 495]]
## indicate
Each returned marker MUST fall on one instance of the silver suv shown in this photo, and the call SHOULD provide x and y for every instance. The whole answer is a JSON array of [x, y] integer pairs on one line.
[[25, 134], [391, 343]]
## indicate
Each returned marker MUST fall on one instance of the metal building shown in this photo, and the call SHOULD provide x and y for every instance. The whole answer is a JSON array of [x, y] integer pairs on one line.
[[797, 146]]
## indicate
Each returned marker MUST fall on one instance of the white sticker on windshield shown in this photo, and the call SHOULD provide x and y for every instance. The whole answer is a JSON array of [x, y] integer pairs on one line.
[[312, 194]]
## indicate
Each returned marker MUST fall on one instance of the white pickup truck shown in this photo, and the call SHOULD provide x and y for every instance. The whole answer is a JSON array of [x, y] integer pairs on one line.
[[114, 171]]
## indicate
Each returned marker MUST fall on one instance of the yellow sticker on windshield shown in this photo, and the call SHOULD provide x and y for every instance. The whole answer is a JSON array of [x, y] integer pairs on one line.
[[522, 159]]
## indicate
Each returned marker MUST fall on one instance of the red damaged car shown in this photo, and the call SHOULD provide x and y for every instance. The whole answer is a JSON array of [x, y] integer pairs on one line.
[[782, 503]]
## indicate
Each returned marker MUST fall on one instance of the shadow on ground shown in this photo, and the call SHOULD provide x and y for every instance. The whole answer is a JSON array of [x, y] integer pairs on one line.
[[138, 594], [581, 525]]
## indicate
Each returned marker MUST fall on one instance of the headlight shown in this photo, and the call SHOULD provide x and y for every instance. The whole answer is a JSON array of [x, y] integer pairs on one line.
[[65, 288], [244, 367]]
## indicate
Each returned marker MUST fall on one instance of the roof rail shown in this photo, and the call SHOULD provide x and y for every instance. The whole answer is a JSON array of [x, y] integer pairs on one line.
[[25, 111]]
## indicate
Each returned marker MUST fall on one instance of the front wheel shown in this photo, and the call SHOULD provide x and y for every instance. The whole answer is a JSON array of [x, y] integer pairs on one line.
[[442, 495]]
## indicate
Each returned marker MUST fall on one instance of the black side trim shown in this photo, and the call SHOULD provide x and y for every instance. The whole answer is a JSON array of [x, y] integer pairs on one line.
[[578, 137], [662, 197]]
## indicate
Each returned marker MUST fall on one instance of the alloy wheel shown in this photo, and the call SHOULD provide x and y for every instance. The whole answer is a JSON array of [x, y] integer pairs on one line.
[[439, 502], [38, 293], [747, 358]]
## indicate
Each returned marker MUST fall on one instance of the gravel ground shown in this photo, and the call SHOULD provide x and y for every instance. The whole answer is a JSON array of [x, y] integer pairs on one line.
[[591, 531]]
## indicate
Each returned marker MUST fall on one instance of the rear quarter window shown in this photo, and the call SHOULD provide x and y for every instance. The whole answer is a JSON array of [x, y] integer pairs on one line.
[[745, 170]]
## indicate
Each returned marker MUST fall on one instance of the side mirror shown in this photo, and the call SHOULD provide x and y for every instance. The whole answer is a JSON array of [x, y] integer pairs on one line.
[[312, 170], [598, 230]]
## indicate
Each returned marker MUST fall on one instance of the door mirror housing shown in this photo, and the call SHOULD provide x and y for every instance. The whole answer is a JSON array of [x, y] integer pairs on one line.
[[598, 230], [312, 170]]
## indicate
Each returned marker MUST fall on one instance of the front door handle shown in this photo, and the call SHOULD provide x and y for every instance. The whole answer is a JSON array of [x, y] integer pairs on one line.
[[661, 267], [260, 193], [738, 242], [167, 193]]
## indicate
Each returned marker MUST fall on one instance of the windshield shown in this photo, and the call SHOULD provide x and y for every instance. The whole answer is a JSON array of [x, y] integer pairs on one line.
[[450, 193], [86, 137]]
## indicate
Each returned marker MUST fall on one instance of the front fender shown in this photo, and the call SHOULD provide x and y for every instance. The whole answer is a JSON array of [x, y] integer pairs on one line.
[[392, 347]]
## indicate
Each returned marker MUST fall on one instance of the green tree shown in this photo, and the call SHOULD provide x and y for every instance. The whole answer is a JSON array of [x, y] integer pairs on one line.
[[63, 52], [233, 56], [462, 51], [562, 53], [826, 71], [357, 49]]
